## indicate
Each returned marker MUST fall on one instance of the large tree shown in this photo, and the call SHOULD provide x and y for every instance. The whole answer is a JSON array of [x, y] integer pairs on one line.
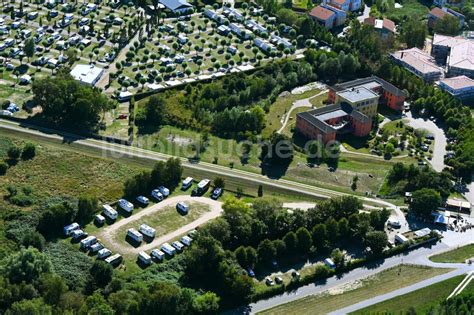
[[425, 201]]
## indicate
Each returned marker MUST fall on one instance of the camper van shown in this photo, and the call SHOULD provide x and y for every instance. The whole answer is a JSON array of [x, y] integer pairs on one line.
[[114, 260], [164, 191], [157, 254], [147, 230], [104, 253], [186, 183], [69, 228], [168, 249], [400, 239], [96, 247], [125, 205], [135, 235], [182, 207], [144, 258], [178, 245], [88, 242], [78, 235], [186, 240], [202, 187], [157, 194], [109, 212], [99, 219]]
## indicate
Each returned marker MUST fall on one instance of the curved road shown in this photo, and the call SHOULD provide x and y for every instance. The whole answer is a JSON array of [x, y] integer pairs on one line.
[[108, 234]]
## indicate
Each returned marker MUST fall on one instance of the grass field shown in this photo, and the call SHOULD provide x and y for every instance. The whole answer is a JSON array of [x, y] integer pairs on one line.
[[458, 255], [411, 8], [337, 298], [421, 301], [56, 172]]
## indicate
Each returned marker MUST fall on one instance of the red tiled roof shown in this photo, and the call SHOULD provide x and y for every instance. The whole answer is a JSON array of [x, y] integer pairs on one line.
[[339, 2], [321, 13], [389, 24], [370, 21], [437, 12]]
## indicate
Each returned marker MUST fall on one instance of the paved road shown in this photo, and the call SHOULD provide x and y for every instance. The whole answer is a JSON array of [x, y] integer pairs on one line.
[[297, 104], [108, 234], [439, 150], [418, 256], [365, 14]]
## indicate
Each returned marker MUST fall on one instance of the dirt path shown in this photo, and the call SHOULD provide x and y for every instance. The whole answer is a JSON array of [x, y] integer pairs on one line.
[[107, 234]]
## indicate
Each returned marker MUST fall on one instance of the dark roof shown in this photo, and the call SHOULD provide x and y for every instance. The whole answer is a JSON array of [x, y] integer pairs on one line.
[[312, 116], [358, 82]]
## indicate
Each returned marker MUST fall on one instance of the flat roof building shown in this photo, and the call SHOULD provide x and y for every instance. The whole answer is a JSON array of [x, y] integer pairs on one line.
[[456, 52], [87, 74]]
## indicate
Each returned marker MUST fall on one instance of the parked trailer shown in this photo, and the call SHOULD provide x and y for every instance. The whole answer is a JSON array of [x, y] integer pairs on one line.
[[96, 247], [144, 258], [104, 253], [109, 212], [155, 193], [182, 207], [186, 183], [125, 205], [135, 235], [147, 230], [78, 234], [400, 238], [71, 227], [178, 245], [168, 249], [157, 254], [114, 260], [88, 241], [100, 219]]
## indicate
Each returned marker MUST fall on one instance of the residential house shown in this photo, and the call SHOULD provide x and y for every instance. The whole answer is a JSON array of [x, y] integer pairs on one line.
[[438, 13], [346, 5], [384, 27], [264, 46], [419, 63], [328, 16]]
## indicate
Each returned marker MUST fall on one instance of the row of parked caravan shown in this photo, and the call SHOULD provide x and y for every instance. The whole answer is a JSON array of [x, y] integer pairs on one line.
[[108, 212], [91, 244], [158, 254]]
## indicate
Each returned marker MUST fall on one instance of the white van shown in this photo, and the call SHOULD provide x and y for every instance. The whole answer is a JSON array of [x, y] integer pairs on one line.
[[104, 253], [135, 235], [178, 245], [109, 212], [147, 230], [157, 194], [144, 258], [69, 228], [157, 254], [186, 183], [164, 191], [182, 207], [125, 205], [167, 248]]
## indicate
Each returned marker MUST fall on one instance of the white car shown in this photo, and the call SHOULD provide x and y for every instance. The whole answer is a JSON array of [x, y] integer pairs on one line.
[[142, 199], [5, 113], [126, 205], [157, 194]]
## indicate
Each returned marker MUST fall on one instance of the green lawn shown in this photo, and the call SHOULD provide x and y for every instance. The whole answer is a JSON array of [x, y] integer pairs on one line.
[[458, 255], [421, 300], [411, 8], [386, 281]]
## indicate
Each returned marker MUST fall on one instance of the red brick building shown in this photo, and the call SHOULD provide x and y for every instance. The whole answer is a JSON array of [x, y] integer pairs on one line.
[[325, 123], [390, 95]]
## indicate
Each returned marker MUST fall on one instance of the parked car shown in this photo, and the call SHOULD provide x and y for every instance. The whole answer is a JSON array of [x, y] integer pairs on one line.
[[143, 200], [216, 193], [126, 205], [164, 191], [157, 194], [251, 273], [269, 281], [278, 280]]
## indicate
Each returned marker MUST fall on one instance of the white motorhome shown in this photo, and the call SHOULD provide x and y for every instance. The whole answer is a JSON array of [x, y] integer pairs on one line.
[[186, 183], [168, 249], [178, 245], [88, 241], [69, 228], [109, 212], [165, 191], [135, 235], [125, 205], [157, 254], [186, 240], [96, 247], [104, 253], [78, 234], [147, 230], [114, 260], [144, 258], [202, 187], [100, 219]]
